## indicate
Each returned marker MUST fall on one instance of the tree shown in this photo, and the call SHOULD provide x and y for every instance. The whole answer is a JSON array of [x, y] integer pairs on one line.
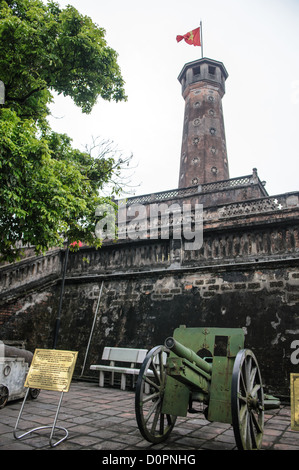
[[43, 47], [48, 190]]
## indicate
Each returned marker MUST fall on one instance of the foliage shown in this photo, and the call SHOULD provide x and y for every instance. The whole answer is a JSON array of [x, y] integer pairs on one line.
[[43, 47], [48, 190]]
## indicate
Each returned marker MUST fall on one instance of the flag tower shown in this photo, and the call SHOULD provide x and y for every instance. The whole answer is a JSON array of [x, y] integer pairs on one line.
[[203, 152]]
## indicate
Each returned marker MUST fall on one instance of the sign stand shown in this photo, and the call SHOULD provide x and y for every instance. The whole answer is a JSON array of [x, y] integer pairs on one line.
[[42, 427], [49, 370], [294, 402]]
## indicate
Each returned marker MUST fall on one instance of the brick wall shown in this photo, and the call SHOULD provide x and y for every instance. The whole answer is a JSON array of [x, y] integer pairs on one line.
[[245, 275], [142, 309]]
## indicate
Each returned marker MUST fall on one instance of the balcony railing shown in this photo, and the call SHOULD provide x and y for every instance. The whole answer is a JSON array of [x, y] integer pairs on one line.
[[193, 190]]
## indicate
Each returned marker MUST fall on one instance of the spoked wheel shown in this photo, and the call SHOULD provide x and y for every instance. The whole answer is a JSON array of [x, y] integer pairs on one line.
[[247, 402], [34, 393], [3, 396], [154, 425]]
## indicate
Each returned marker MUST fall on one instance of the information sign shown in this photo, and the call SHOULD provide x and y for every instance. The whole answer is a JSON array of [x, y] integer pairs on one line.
[[295, 402], [51, 369]]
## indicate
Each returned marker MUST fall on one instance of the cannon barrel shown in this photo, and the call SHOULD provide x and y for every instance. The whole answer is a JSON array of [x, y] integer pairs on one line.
[[11, 351], [184, 352]]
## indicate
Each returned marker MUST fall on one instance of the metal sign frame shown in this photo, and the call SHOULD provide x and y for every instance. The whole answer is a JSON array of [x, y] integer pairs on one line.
[[53, 427], [294, 402], [50, 369]]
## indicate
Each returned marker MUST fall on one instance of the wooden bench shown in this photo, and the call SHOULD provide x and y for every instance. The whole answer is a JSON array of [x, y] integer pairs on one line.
[[120, 355]]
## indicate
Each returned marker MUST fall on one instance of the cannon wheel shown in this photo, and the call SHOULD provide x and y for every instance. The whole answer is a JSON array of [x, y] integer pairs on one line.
[[34, 393], [247, 402], [3, 396], [154, 425]]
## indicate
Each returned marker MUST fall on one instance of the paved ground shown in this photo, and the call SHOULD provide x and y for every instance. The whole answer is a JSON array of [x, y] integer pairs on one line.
[[104, 419]]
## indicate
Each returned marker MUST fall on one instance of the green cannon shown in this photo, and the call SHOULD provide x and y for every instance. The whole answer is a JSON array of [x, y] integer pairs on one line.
[[206, 365]]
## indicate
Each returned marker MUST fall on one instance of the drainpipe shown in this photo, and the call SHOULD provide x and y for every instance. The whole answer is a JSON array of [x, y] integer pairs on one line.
[[57, 325], [92, 328]]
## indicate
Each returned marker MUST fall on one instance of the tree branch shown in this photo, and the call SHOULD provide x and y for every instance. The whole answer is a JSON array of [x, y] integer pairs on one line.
[[24, 98]]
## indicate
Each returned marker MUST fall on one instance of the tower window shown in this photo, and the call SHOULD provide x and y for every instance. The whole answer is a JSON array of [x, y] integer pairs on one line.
[[196, 71], [212, 70]]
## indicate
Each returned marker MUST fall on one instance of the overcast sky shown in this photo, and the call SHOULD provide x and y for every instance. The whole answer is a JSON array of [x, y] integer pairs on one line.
[[258, 43]]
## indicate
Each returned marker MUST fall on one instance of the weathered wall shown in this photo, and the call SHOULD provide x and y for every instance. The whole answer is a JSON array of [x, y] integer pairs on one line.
[[142, 309], [245, 275]]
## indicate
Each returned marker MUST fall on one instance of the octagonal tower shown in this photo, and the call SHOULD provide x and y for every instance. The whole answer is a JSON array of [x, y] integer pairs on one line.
[[203, 155]]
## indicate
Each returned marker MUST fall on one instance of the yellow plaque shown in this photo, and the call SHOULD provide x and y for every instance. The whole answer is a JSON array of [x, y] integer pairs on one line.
[[295, 402], [51, 369]]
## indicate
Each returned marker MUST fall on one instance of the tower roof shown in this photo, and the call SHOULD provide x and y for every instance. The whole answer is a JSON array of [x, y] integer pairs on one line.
[[204, 60], [203, 70]]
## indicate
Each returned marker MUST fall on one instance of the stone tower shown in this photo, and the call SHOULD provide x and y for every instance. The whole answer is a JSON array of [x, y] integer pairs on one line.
[[203, 156]]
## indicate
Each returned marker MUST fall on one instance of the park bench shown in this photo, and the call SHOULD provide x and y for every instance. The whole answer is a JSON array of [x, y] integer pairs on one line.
[[129, 356]]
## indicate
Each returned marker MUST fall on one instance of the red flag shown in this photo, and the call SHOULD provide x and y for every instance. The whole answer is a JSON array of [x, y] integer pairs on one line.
[[193, 37]]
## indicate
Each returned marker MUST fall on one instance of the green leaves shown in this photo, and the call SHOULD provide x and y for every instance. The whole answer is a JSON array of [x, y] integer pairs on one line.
[[48, 190], [44, 48], [46, 195]]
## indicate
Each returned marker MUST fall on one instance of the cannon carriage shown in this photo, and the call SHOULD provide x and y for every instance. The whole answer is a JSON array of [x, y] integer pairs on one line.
[[14, 366], [206, 365]]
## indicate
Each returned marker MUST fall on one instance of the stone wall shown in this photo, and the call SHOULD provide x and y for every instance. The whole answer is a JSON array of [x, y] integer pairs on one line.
[[142, 309], [246, 275]]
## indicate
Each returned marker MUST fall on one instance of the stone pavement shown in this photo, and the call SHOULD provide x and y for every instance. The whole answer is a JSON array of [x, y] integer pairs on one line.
[[104, 419]]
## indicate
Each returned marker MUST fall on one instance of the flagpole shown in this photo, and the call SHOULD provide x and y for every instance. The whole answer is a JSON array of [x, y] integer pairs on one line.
[[201, 40]]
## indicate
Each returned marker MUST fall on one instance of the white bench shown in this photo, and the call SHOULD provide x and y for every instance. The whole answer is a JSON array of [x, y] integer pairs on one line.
[[120, 355]]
